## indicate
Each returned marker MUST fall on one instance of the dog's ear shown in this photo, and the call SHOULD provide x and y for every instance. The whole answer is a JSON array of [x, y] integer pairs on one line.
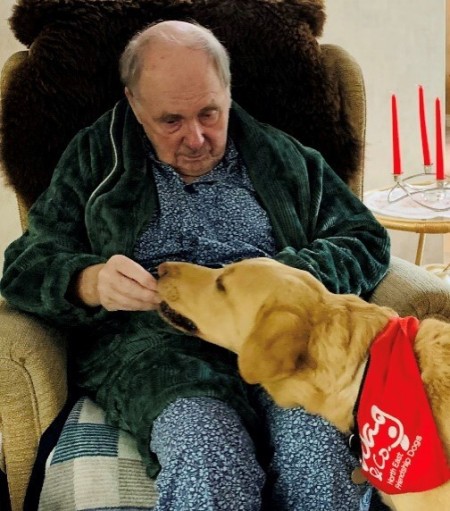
[[276, 348]]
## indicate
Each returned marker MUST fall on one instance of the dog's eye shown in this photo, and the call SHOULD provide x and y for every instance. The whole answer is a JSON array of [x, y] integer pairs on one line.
[[219, 284]]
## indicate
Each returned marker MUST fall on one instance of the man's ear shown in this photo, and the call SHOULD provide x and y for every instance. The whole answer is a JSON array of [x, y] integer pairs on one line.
[[276, 348], [132, 102]]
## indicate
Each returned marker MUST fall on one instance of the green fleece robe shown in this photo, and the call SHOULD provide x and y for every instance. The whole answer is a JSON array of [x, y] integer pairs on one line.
[[101, 197]]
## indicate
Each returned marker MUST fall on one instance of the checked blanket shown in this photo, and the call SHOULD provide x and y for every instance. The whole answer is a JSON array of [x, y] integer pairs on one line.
[[95, 467]]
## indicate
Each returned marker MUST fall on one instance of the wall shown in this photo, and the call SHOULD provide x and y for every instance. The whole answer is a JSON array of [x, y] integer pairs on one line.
[[9, 216], [447, 67], [399, 45]]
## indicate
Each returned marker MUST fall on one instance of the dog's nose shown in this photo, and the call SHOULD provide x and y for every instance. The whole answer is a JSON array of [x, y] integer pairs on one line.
[[168, 269], [162, 270]]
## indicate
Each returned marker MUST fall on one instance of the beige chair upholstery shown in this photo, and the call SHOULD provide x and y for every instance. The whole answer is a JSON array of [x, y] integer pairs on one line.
[[33, 389], [33, 382]]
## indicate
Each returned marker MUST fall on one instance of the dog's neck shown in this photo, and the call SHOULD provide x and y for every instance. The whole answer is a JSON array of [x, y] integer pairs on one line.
[[343, 373], [338, 349]]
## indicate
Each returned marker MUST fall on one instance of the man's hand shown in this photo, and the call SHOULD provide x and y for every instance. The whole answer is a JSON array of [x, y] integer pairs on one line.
[[118, 284]]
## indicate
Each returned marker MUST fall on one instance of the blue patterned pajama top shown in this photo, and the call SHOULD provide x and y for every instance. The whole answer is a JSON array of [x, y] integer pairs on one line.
[[213, 221]]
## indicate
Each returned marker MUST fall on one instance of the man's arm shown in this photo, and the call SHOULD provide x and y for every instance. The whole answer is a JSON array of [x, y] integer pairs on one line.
[[319, 225], [347, 249], [52, 271]]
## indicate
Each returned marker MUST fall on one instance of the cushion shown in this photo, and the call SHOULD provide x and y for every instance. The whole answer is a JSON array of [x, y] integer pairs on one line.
[[70, 76], [95, 466]]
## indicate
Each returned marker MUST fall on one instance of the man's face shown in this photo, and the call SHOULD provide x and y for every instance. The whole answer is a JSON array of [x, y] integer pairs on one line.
[[183, 108]]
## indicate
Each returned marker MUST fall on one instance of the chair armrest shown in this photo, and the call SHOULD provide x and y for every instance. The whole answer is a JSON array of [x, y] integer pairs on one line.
[[33, 389], [342, 69], [412, 291]]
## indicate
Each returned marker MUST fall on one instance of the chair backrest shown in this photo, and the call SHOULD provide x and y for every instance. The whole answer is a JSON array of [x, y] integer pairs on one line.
[[69, 77], [5, 75]]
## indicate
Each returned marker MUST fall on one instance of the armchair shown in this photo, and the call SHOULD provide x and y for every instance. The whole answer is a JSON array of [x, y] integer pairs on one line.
[[33, 362]]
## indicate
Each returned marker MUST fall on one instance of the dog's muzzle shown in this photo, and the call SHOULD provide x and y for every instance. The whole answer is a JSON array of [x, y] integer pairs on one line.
[[176, 319]]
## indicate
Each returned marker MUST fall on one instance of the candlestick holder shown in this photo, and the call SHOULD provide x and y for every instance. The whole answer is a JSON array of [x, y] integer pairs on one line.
[[420, 181], [428, 194]]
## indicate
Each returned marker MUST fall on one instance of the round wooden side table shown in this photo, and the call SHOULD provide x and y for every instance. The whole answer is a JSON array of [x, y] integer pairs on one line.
[[407, 216], [422, 227]]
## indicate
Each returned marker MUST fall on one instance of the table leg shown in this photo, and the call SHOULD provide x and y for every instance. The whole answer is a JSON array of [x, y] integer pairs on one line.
[[420, 245]]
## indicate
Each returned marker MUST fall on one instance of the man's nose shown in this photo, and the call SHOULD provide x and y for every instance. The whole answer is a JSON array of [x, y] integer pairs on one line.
[[194, 137]]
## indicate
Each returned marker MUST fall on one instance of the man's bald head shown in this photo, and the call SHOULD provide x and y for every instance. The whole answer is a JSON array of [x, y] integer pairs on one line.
[[176, 33]]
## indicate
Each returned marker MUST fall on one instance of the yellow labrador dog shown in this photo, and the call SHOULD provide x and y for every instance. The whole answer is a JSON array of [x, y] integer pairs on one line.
[[309, 347]]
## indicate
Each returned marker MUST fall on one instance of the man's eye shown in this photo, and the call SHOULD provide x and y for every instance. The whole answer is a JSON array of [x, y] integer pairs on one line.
[[171, 125], [209, 116]]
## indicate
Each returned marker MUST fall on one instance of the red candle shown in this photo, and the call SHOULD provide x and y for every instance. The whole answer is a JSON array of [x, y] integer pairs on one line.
[[423, 129], [439, 147], [397, 165]]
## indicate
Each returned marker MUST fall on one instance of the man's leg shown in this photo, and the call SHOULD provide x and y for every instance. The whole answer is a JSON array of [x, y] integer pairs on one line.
[[207, 458], [311, 464]]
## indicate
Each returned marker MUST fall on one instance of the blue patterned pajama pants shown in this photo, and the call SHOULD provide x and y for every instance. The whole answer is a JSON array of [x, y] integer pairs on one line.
[[208, 461]]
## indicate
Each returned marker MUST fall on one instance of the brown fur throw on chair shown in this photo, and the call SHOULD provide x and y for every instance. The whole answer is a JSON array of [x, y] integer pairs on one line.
[[70, 76]]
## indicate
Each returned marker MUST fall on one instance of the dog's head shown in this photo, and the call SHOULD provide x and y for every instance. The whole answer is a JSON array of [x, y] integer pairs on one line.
[[260, 309]]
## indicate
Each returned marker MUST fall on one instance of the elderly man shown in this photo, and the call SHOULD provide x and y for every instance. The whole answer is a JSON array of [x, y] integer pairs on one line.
[[177, 171]]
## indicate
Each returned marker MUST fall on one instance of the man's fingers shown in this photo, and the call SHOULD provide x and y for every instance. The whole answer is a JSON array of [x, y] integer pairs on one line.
[[134, 271], [126, 294], [123, 284], [119, 302], [131, 288]]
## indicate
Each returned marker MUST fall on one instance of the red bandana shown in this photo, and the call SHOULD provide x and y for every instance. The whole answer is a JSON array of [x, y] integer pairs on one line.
[[401, 448]]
